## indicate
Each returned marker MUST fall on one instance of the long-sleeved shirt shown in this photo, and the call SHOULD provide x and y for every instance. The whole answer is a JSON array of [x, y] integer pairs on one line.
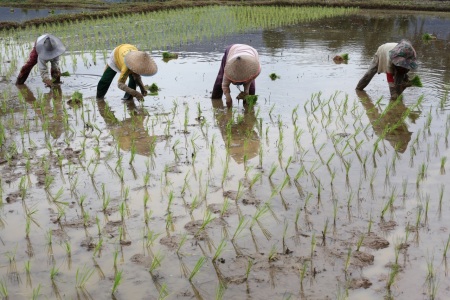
[[384, 62], [117, 61], [42, 63], [238, 50]]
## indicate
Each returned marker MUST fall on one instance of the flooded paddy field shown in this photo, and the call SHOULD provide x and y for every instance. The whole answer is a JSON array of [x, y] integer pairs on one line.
[[316, 192]]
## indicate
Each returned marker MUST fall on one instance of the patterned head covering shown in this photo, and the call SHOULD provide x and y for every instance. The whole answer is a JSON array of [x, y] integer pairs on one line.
[[403, 55]]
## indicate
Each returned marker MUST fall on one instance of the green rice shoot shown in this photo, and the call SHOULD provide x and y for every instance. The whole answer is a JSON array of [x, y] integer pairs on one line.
[[416, 81]]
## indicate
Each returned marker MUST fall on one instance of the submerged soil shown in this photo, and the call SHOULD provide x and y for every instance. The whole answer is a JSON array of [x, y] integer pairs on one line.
[[307, 195]]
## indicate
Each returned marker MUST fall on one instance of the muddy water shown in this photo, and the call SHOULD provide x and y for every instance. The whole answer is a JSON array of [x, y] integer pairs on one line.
[[14, 14], [311, 171]]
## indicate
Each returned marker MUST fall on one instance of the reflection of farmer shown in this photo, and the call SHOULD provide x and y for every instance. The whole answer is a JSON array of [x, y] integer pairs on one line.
[[240, 66], [130, 63], [389, 123], [55, 119], [47, 48], [128, 131], [244, 139], [395, 60]]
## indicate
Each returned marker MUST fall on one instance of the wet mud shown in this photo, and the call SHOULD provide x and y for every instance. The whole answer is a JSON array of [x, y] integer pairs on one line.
[[308, 195]]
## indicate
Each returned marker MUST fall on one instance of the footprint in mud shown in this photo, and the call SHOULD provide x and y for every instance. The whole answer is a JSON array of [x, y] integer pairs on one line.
[[375, 242], [362, 259], [357, 283]]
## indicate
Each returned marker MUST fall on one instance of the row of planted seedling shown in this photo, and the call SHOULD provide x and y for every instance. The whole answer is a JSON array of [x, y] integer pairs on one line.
[[305, 171], [155, 30]]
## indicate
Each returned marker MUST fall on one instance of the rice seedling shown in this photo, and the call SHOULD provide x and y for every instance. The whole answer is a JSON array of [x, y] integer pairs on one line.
[[313, 245], [447, 244], [82, 276], [207, 218], [274, 76], [68, 248], [324, 232], [53, 272], [225, 206], [201, 261], [220, 291], [392, 275], [347, 261], [273, 253], [117, 281], [241, 226], [443, 161], [3, 289], [156, 262], [169, 55], [219, 250], [36, 292], [256, 219], [163, 292], [181, 243], [303, 272], [359, 242]]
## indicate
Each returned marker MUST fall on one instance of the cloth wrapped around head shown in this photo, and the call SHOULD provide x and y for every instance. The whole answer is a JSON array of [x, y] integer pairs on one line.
[[49, 47], [141, 63], [403, 55], [242, 68]]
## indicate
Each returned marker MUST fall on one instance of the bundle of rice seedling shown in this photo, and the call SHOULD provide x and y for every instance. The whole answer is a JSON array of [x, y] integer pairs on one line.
[[274, 76], [416, 81], [251, 99]]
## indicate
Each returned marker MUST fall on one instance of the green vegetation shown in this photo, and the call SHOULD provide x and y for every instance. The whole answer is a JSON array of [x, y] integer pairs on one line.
[[416, 81], [274, 76]]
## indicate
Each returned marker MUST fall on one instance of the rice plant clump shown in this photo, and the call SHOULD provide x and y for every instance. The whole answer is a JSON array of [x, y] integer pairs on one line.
[[416, 81], [274, 76]]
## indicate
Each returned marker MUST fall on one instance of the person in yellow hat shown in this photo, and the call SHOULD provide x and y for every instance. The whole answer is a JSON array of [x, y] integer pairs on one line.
[[131, 63], [47, 48], [240, 66]]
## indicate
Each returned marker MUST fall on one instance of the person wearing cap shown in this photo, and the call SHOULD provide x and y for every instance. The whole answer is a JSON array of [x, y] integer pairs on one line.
[[47, 48], [131, 63], [240, 66], [396, 60]]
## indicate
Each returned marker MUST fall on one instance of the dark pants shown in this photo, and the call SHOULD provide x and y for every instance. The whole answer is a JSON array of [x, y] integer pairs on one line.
[[29, 64], [217, 92], [106, 80]]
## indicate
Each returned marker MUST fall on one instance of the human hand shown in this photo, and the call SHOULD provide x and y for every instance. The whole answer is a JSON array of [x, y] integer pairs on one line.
[[139, 96], [144, 92], [242, 95], [48, 82]]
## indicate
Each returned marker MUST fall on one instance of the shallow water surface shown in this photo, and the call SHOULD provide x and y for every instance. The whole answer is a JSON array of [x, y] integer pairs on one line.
[[317, 192], [14, 14]]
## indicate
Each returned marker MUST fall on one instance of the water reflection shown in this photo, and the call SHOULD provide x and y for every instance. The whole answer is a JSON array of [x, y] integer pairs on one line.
[[49, 108], [389, 124], [10, 14], [130, 132], [237, 130]]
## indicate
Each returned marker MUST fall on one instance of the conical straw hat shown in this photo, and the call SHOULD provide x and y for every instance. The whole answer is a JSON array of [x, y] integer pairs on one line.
[[50, 47], [141, 63], [242, 68]]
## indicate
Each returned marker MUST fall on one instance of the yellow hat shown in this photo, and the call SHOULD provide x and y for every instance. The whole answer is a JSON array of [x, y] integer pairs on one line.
[[141, 63]]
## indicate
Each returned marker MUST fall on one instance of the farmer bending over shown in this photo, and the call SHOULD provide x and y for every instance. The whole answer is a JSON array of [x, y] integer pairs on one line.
[[395, 60], [47, 48], [240, 66], [130, 63]]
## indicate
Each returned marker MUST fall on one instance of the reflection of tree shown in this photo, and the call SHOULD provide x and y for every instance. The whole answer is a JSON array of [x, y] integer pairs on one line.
[[51, 116], [274, 39], [390, 123], [237, 131], [130, 132]]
